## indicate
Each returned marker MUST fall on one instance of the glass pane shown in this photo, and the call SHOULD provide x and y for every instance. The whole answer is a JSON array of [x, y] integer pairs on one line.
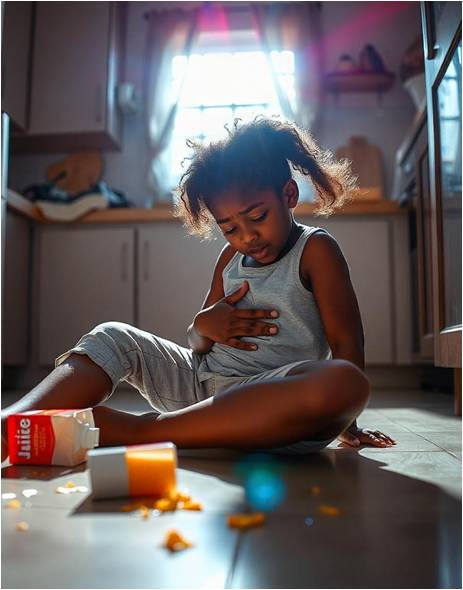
[[247, 114], [192, 92], [214, 121], [218, 88], [449, 114], [251, 78], [187, 123]]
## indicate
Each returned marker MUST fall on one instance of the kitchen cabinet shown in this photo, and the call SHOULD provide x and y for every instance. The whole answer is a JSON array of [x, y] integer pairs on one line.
[[85, 277], [173, 280], [15, 301], [442, 49], [77, 52], [374, 250], [16, 38], [89, 276]]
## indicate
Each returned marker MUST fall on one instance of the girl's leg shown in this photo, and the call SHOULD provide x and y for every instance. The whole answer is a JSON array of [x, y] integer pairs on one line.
[[77, 383], [144, 360], [319, 404]]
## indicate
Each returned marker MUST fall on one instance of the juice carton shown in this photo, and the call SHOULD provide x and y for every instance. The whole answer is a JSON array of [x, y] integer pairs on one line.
[[51, 437]]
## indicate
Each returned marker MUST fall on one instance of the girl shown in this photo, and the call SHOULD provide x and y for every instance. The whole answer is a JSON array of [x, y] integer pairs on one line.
[[276, 353]]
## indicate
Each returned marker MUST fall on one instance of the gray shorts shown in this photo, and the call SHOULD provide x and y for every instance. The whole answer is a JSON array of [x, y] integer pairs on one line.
[[167, 375]]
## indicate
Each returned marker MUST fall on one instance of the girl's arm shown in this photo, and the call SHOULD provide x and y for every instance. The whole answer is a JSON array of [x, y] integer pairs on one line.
[[196, 341], [324, 264]]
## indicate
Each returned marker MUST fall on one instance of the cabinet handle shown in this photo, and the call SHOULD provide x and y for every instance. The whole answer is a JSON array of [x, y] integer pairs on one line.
[[146, 260], [124, 261], [99, 104]]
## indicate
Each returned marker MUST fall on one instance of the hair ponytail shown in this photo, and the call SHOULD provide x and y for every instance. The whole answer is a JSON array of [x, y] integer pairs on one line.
[[256, 156]]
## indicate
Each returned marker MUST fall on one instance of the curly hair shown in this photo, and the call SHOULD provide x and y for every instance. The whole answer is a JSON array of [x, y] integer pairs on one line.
[[257, 156]]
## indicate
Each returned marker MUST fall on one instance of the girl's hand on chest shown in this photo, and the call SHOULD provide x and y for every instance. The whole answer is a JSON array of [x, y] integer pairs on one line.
[[226, 324]]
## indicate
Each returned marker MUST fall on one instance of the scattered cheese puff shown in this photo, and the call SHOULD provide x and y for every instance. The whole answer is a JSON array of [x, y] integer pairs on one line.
[[71, 488], [175, 500], [22, 527], [245, 521], [13, 504], [315, 490], [190, 505], [179, 496], [175, 542], [329, 510], [165, 505], [145, 512]]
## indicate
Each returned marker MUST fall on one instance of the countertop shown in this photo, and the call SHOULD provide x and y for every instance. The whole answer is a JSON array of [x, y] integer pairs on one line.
[[164, 212]]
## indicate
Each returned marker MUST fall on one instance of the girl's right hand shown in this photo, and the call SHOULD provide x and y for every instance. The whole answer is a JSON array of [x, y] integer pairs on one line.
[[225, 324]]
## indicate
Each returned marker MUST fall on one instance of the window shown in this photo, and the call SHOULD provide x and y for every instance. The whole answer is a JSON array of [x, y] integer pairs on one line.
[[220, 86]]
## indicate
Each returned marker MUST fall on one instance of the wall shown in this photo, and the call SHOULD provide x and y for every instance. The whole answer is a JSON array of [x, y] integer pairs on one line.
[[390, 26]]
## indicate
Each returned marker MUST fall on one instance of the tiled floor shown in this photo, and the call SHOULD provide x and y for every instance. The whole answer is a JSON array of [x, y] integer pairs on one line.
[[399, 521]]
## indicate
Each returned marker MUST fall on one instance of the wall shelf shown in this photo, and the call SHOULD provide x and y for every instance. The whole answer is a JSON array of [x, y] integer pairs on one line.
[[359, 81]]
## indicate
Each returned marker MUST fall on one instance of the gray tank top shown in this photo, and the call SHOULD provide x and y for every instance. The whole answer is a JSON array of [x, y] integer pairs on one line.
[[275, 286]]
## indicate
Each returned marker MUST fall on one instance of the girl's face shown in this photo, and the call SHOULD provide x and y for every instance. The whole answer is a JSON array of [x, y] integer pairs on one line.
[[256, 223]]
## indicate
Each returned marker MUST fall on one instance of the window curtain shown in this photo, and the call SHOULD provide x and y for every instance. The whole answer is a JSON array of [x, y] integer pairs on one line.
[[297, 28], [169, 34]]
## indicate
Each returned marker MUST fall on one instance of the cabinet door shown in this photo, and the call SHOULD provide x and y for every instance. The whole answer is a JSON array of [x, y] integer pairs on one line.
[[15, 303], [86, 277], [366, 247], [15, 60], [442, 36], [70, 68], [175, 273]]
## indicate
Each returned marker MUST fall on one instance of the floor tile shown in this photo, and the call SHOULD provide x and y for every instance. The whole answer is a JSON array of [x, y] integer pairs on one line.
[[420, 420], [114, 551], [439, 468], [216, 494], [448, 440], [350, 551]]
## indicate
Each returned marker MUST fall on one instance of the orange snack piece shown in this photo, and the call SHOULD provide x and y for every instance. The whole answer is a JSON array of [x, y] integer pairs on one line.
[[191, 505], [175, 500], [245, 521], [165, 505], [175, 542], [179, 496], [22, 527], [13, 504], [145, 512], [329, 510]]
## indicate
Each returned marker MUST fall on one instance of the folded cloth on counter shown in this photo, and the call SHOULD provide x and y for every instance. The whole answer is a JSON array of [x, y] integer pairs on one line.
[[58, 205]]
